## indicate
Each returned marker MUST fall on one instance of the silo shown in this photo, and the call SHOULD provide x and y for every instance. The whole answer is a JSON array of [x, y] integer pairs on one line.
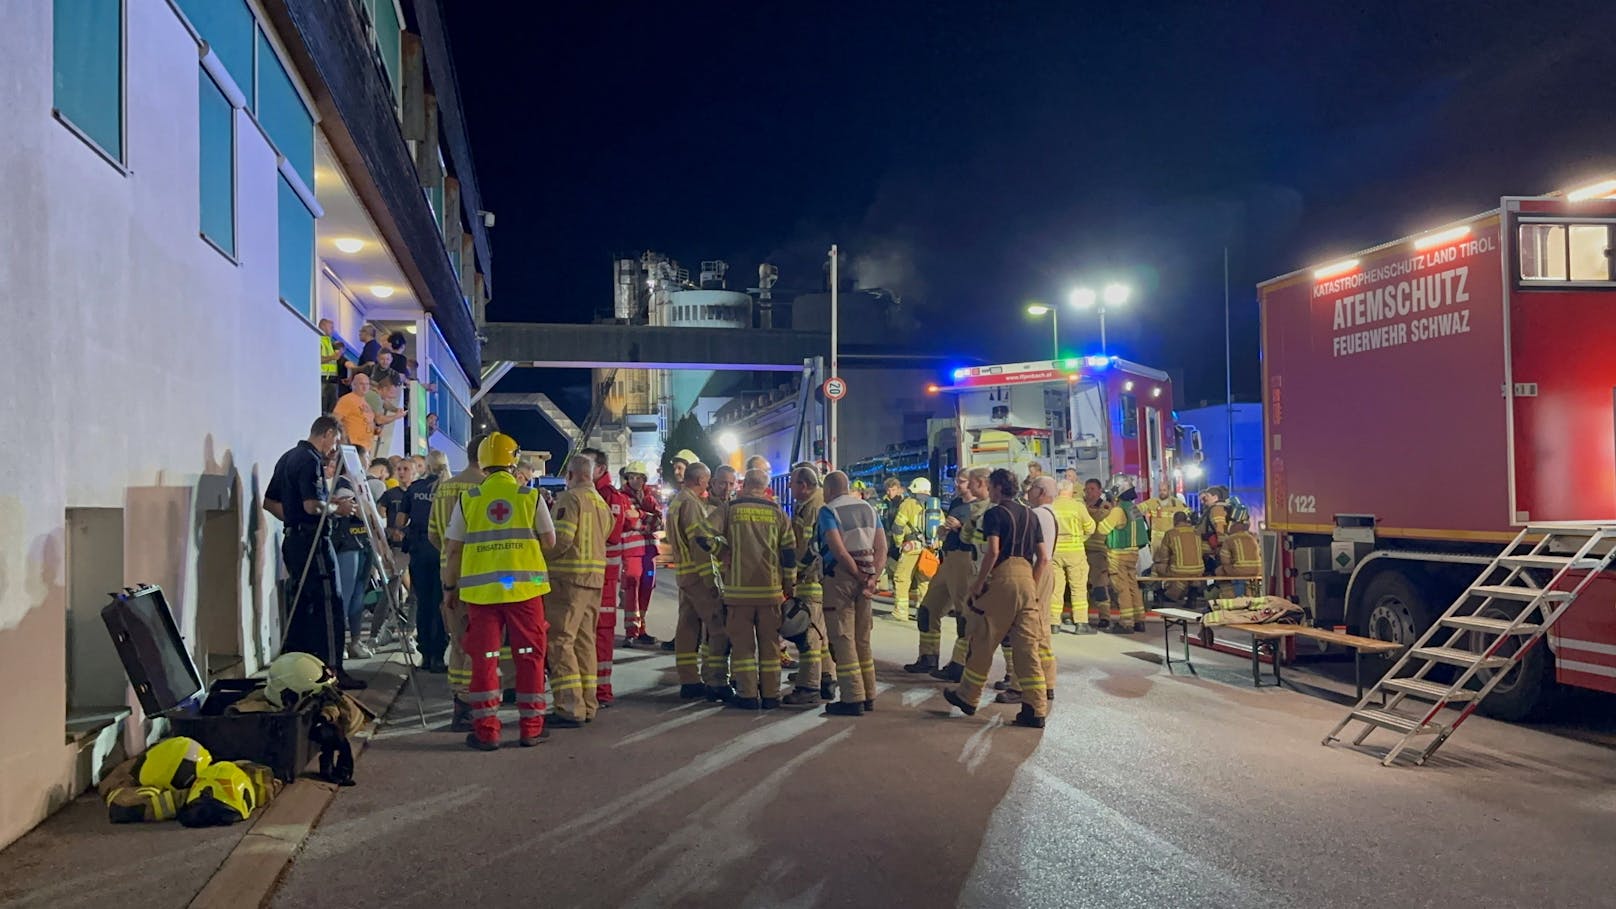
[[700, 309]]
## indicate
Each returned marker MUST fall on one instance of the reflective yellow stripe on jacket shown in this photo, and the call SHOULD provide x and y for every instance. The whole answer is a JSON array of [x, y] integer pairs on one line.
[[759, 539], [582, 522], [687, 520], [500, 561], [804, 521], [1073, 524]]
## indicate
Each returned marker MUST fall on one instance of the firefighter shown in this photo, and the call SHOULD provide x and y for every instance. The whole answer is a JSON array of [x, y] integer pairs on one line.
[[700, 609], [1005, 600], [946, 596], [970, 535], [622, 514], [915, 528], [1094, 549], [1161, 512], [493, 563], [814, 678], [1125, 532], [854, 548], [680, 462], [639, 551], [578, 572], [723, 487], [1239, 556], [757, 566], [1180, 554], [1069, 565]]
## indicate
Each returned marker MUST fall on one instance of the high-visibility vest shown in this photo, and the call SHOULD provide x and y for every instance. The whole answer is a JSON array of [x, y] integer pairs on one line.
[[1131, 533], [1073, 524], [500, 561], [328, 367]]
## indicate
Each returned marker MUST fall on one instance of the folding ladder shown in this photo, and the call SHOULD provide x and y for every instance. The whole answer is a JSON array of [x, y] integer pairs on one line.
[[1486, 633]]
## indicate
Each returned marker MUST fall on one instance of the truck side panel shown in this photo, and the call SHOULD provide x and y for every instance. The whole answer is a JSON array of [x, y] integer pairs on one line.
[[1383, 392]]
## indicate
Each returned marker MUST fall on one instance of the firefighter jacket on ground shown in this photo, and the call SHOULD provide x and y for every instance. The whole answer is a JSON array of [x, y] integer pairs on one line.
[[1073, 524], [1125, 530], [1099, 512], [619, 507], [1159, 512], [500, 560], [1240, 555], [759, 550], [810, 571], [582, 522], [691, 535], [1181, 554]]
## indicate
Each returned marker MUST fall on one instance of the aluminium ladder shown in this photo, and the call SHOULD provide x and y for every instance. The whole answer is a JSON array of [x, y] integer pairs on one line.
[[1525, 589]]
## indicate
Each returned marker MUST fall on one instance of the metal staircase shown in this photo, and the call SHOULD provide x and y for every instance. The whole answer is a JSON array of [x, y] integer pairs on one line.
[[1485, 634]]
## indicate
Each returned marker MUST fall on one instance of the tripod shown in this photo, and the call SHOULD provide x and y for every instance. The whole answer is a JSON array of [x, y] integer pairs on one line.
[[327, 580]]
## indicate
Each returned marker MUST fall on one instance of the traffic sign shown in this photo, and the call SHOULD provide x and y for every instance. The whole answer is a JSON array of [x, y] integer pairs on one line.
[[835, 388]]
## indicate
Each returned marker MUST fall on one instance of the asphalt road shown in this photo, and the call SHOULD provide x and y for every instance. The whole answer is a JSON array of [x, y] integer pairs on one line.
[[1146, 789]]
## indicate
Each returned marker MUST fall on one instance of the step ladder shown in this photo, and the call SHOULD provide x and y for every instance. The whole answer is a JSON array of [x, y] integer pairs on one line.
[[1514, 601]]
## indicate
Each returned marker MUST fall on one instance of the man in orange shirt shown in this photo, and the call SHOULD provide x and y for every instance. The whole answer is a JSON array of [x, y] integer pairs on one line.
[[357, 419]]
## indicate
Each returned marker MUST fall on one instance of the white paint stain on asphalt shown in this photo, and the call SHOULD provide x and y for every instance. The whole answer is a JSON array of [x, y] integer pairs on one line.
[[920, 695], [414, 814], [651, 732], [977, 747]]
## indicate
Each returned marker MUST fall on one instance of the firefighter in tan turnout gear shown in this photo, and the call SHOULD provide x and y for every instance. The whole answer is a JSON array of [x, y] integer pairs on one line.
[[1239, 556], [813, 679], [577, 573], [757, 566], [946, 596], [1180, 554], [701, 611], [1069, 565]]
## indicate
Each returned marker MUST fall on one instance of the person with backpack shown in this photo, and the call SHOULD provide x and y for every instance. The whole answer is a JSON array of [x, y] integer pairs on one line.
[[1125, 531], [915, 525]]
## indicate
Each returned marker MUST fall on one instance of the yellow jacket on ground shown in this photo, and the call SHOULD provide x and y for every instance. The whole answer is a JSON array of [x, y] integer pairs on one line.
[[1073, 524], [582, 522], [759, 548], [687, 523]]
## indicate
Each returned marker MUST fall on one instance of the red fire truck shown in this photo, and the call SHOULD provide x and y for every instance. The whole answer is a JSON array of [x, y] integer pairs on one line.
[[1426, 399], [1104, 416]]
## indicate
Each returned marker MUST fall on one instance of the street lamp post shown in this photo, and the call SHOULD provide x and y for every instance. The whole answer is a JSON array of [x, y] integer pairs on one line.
[[1111, 295], [1039, 309]]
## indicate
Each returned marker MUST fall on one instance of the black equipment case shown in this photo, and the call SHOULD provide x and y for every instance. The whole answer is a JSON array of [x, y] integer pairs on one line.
[[168, 685]]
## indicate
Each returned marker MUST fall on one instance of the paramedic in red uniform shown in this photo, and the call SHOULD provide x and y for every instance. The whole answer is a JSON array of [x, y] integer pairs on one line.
[[623, 514]]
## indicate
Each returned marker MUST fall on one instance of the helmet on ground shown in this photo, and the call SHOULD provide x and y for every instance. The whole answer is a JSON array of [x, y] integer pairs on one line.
[[222, 795], [172, 763], [294, 676], [920, 486], [636, 467], [498, 450], [687, 456], [794, 617]]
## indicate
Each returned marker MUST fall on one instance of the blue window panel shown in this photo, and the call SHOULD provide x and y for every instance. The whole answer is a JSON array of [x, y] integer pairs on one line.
[[389, 44], [282, 114], [218, 164], [296, 231], [227, 27], [87, 47], [454, 420]]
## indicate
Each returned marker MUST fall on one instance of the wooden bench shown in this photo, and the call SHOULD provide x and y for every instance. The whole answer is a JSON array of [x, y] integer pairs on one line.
[[1358, 644], [1265, 637], [1180, 619]]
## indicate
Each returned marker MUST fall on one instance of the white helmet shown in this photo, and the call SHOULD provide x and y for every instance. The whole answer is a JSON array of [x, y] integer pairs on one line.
[[794, 616], [294, 676], [920, 486]]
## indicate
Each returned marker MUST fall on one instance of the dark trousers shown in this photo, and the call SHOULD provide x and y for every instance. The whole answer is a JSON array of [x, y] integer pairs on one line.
[[317, 622], [432, 639]]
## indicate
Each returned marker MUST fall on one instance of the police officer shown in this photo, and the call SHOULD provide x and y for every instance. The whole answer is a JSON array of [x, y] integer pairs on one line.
[[297, 497], [430, 635]]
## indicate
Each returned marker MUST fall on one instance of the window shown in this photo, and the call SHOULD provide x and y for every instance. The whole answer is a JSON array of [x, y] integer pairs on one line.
[[1565, 252], [218, 164], [454, 420], [1130, 417], [281, 112], [295, 229], [87, 70], [387, 27], [227, 27]]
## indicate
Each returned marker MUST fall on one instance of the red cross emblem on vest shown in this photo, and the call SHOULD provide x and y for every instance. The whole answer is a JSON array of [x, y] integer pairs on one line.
[[499, 511]]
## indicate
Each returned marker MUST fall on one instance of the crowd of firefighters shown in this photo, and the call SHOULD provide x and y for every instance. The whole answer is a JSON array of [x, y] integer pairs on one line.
[[533, 586]]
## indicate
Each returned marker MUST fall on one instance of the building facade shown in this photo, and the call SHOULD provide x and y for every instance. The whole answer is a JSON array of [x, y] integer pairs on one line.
[[203, 181]]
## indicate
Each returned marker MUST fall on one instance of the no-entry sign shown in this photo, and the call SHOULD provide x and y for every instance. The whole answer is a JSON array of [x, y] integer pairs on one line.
[[835, 388]]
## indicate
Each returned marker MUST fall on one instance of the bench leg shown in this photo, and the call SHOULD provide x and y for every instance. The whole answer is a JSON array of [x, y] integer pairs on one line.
[[1256, 664], [1167, 643], [1274, 649]]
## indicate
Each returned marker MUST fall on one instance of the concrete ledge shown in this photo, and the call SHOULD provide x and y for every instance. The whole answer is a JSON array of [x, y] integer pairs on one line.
[[253, 869]]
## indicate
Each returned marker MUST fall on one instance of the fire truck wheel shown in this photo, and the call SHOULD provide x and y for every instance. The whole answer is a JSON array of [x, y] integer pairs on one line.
[[1528, 689], [1392, 608]]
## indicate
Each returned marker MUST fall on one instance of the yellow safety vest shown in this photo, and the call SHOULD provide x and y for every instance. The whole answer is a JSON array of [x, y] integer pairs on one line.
[[327, 367], [1073, 524], [501, 561]]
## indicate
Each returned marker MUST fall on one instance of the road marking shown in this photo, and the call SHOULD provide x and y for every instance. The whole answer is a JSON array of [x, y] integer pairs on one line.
[[918, 695], [979, 744], [651, 732]]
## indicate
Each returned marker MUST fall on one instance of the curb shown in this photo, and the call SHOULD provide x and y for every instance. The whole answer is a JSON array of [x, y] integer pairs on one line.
[[252, 871]]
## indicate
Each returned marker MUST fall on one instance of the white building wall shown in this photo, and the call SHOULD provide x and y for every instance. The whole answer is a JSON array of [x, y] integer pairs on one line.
[[141, 366]]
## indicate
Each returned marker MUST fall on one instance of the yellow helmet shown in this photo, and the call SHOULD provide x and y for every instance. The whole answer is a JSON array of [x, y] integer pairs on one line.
[[636, 467], [498, 450], [222, 795], [687, 456], [172, 763], [294, 676]]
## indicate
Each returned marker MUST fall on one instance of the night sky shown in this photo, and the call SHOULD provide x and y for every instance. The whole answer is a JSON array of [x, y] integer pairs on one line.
[[975, 156]]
